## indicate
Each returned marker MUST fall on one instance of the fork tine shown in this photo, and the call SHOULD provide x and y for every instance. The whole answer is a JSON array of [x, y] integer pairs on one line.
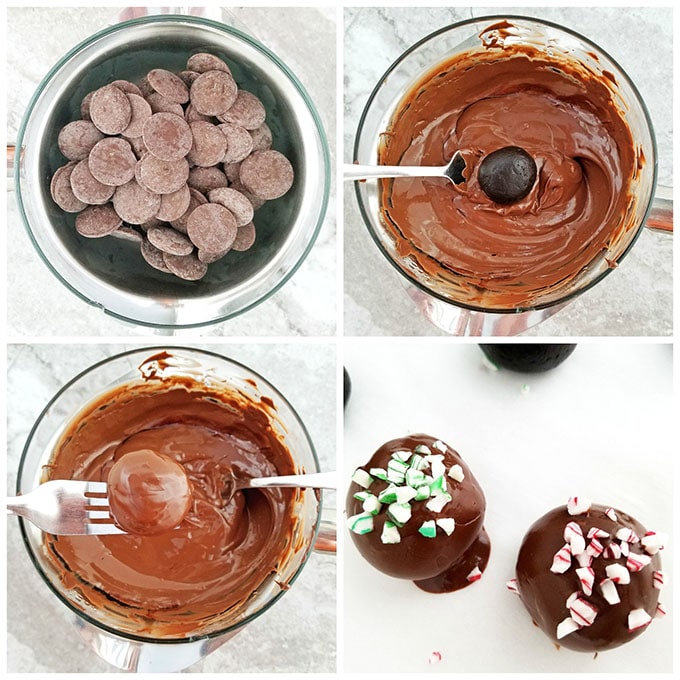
[[97, 502], [96, 487], [102, 529], [98, 514]]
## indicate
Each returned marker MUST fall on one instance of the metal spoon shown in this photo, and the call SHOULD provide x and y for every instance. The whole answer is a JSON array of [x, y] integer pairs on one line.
[[315, 480], [453, 171]]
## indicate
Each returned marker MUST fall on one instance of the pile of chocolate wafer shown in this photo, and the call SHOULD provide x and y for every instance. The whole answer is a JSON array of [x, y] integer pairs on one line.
[[178, 164]]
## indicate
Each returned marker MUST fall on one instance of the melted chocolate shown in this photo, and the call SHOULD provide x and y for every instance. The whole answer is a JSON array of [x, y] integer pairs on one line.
[[439, 564], [505, 256], [183, 581], [544, 593]]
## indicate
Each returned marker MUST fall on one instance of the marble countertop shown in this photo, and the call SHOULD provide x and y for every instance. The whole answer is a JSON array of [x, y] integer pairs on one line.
[[297, 635], [306, 305], [636, 300]]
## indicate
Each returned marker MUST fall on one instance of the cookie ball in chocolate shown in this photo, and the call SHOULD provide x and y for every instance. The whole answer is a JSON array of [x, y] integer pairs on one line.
[[416, 512], [590, 576], [527, 357]]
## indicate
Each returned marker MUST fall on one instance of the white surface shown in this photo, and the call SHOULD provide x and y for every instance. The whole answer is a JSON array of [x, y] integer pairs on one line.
[[305, 305], [296, 635], [634, 300], [599, 425]]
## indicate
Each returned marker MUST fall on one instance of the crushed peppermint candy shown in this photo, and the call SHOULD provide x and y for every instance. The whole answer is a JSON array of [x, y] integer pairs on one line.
[[653, 542], [595, 548], [625, 548], [390, 533], [435, 657], [612, 551], [657, 579], [566, 627], [399, 513], [594, 532], [440, 446], [578, 505], [660, 610], [609, 592], [428, 529], [637, 562], [627, 535], [437, 502], [456, 472], [638, 618], [561, 560], [362, 478], [446, 524], [423, 450], [512, 586], [586, 576], [583, 612], [474, 575], [573, 535], [372, 505], [611, 513], [361, 523], [618, 573]]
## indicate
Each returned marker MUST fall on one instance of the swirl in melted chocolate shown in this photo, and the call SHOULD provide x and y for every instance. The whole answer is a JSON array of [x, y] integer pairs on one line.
[[591, 580], [191, 578], [424, 520], [505, 256]]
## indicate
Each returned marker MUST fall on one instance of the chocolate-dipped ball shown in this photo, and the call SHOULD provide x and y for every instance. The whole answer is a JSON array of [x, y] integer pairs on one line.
[[415, 511], [527, 357], [590, 576], [149, 493]]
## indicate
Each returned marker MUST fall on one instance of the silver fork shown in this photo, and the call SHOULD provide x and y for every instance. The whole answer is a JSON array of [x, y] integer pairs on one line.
[[66, 508]]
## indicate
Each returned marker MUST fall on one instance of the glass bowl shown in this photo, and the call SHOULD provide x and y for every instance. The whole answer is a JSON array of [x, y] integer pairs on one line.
[[437, 292]]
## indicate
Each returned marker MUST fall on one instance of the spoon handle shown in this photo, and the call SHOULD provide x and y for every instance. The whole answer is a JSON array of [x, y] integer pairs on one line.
[[315, 480], [359, 172]]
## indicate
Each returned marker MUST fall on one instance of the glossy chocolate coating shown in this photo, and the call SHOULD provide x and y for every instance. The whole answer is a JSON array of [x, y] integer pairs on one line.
[[148, 493], [544, 593], [178, 582], [416, 557]]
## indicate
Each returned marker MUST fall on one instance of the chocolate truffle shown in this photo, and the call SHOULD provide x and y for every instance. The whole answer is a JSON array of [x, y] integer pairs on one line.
[[149, 493], [527, 357], [415, 511], [590, 576]]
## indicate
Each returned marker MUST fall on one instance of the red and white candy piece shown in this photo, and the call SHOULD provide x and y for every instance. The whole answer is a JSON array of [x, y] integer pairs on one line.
[[638, 618], [637, 562], [618, 573], [573, 535], [584, 559], [612, 551], [595, 548], [609, 592], [625, 548], [611, 513], [657, 579], [435, 657], [474, 575], [572, 598], [578, 505], [561, 560], [586, 576], [583, 612], [660, 611], [566, 627], [456, 473], [627, 535], [594, 532], [512, 586], [653, 542]]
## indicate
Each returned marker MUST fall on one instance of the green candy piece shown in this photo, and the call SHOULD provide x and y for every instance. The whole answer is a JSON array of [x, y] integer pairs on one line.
[[428, 529], [421, 448], [390, 533], [415, 478], [362, 478], [417, 462], [372, 505], [422, 492], [361, 524], [438, 485], [399, 513], [401, 456], [362, 495], [388, 494], [378, 473]]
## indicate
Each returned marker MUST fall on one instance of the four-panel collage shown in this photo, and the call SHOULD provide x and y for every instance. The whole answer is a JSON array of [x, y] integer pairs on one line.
[[339, 340]]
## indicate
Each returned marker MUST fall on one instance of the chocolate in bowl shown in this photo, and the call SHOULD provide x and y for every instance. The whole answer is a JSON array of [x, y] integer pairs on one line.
[[214, 415], [456, 90]]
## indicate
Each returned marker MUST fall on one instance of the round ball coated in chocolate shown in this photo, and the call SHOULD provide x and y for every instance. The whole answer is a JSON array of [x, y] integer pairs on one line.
[[545, 591], [527, 357], [507, 175], [149, 493]]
